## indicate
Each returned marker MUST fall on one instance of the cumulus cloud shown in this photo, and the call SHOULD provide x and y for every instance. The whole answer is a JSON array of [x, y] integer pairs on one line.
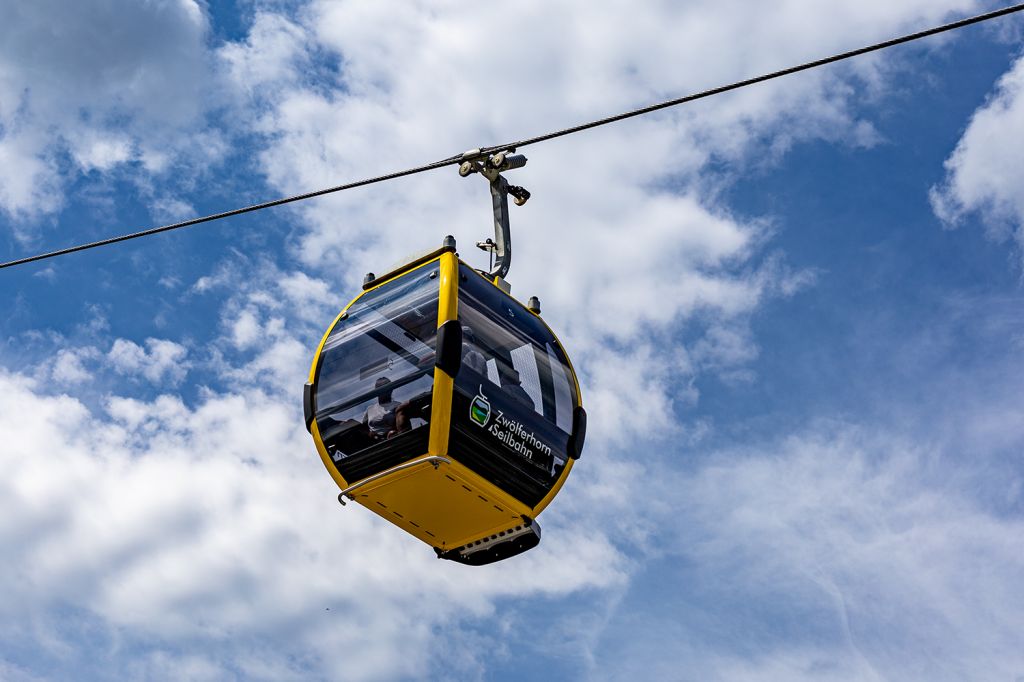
[[68, 366], [982, 174], [161, 360]]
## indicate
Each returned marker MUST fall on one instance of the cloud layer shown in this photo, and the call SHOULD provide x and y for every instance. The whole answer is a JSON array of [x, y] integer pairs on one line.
[[213, 523]]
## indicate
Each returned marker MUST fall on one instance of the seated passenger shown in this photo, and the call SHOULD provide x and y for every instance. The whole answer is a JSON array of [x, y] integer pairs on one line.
[[471, 357], [510, 384], [380, 417]]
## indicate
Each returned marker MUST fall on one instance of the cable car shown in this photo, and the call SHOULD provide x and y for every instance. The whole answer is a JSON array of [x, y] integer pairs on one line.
[[443, 404]]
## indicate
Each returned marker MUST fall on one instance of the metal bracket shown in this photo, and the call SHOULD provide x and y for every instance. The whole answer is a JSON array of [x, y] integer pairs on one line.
[[491, 167], [433, 459]]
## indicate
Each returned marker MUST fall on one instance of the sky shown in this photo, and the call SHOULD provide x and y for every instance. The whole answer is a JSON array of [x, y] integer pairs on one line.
[[796, 311]]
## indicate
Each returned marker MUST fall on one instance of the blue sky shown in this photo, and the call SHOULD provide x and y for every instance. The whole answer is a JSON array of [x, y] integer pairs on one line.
[[796, 311]]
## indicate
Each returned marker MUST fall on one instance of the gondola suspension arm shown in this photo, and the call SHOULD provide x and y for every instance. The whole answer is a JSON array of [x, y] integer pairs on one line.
[[491, 166]]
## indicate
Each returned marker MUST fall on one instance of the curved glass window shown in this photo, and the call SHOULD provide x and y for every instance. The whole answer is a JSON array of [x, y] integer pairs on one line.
[[514, 396], [376, 376]]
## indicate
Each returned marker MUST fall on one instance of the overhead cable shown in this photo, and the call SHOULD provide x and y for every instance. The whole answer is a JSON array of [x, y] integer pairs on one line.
[[532, 140]]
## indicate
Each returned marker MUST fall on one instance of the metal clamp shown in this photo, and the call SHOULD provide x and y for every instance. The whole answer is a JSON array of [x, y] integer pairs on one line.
[[432, 459]]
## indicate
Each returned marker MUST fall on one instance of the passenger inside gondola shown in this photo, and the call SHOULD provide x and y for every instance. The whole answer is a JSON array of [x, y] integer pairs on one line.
[[511, 384], [381, 417], [472, 358]]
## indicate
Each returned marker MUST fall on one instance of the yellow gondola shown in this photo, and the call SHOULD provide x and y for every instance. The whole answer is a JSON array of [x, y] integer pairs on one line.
[[446, 406]]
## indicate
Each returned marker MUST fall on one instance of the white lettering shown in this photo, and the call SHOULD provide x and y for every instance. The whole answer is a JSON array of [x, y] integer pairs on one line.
[[513, 434]]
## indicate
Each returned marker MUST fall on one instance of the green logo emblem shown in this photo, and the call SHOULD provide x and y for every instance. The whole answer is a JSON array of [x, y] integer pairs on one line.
[[480, 408]]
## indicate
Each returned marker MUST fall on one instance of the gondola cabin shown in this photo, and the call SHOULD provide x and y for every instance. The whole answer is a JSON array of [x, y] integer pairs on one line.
[[442, 404]]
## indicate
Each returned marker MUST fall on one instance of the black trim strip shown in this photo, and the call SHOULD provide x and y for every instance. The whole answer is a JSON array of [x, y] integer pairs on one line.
[[449, 348], [579, 432], [308, 405]]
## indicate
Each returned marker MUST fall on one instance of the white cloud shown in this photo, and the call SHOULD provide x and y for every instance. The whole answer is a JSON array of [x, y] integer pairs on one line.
[[245, 330], [983, 173], [30, 182], [269, 57], [161, 360], [218, 524], [171, 210], [68, 367], [100, 150], [104, 84], [305, 294], [270, 321]]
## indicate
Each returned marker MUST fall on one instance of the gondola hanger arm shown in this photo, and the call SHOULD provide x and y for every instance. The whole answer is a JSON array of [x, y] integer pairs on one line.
[[491, 167]]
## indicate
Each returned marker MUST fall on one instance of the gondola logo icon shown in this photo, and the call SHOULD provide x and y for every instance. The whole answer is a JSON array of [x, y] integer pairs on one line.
[[480, 408]]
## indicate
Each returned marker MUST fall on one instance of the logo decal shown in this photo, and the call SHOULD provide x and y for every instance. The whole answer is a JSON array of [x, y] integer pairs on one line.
[[480, 409]]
